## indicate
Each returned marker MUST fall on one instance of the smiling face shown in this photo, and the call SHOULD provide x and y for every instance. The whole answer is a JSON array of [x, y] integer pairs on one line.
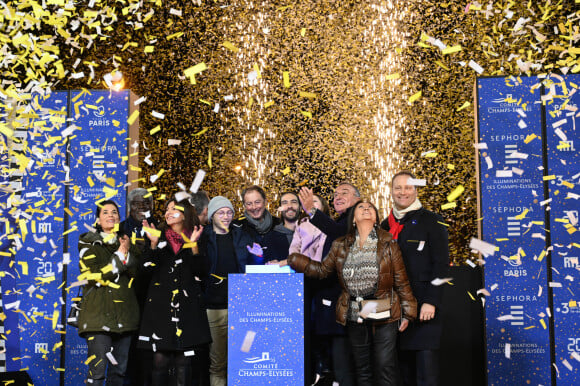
[[139, 207], [108, 217], [344, 198], [365, 212], [173, 216], [403, 193], [255, 204], [291, 207], [222, 219]]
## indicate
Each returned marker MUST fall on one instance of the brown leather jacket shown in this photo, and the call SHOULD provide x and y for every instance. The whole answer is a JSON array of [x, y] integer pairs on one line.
[[392, 275]]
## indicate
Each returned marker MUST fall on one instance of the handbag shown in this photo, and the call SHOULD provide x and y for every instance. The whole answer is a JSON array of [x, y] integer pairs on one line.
[[75, 308], [380, 311]]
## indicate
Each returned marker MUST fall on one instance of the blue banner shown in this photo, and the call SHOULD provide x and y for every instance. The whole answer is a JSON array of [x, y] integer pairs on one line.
[[562, 103], [266, 329], [98, 165], [41, 226], [517, 324]]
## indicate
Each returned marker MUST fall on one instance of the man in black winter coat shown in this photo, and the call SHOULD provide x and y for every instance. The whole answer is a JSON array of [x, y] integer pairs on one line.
[[422, 237]]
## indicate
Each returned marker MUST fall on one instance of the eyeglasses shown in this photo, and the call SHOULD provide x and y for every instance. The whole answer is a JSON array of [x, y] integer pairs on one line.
[[226, 213]]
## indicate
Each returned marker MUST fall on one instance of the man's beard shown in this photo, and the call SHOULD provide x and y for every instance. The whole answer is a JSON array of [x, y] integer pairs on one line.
[[290, 219]]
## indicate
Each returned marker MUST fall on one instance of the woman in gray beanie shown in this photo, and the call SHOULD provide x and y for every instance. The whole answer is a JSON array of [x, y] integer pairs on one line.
[[226, 247]]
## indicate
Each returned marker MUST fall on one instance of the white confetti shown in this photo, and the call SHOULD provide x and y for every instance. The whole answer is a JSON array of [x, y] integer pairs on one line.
[[111, 358], [485, 248], [157, 114], [437, 281], [248, 341], [197, 181]]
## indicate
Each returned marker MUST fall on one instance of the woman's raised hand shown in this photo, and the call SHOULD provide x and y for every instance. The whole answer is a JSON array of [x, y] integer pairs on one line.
[[153, 238], [196, 234], [124, 244]]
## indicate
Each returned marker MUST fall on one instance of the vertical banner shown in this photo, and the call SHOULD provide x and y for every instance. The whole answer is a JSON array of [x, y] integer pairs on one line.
[[562, 128], [517, 324], [39, 261], [98, 166], [266, 329]]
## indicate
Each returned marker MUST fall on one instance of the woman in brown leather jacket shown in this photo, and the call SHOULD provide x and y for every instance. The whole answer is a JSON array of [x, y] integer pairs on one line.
[[376, 293]]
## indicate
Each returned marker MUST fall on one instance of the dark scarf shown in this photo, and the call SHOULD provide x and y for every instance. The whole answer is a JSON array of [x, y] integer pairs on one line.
[[262, 226]]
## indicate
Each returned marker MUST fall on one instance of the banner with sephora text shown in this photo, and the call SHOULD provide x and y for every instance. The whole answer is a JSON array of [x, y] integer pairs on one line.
[[41, 227], [266, 329], [511, 182], [98, 166], [562, 135]]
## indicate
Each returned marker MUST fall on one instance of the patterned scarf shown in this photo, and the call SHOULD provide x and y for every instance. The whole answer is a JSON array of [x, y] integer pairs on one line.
[[175, 239]]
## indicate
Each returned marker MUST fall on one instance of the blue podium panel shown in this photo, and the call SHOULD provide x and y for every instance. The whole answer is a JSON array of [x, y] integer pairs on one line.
[[41, 228], [266, 329], [564, 173], [509, 122], [98, 167]]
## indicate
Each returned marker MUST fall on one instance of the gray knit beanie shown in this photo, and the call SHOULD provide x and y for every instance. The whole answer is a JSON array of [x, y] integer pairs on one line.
[[216, 204]]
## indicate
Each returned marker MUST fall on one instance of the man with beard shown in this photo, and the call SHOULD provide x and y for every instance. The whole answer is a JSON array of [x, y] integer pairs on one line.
[[277, 243], [258, 221]]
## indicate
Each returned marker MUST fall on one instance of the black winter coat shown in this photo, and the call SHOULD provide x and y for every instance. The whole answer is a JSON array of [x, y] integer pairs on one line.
[[422, 267], [208, 246], [174, 318]]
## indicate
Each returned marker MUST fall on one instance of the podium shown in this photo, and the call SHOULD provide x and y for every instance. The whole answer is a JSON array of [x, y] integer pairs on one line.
[[266, 329]]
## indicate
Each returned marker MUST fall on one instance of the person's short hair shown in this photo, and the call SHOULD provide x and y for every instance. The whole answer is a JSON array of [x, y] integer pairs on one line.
[[356, 191], [402, 173], [139, 192], [253, 188], [200, 200], [100, 206]]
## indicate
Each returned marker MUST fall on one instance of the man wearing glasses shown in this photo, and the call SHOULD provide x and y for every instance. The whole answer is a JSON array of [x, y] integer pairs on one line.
[[226, 249], [257, 221]]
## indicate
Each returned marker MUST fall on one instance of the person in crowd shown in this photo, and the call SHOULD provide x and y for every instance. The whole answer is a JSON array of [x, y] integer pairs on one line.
[[109, 312], [308, 239], [369, 267], [200, 200], [277, 243], [257, 221], [226, 249], [326, 293], [422, 237], [174, 324], [140, 208]]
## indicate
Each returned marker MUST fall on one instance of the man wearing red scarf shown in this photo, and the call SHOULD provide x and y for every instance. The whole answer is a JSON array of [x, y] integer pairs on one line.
[[422, 237]]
